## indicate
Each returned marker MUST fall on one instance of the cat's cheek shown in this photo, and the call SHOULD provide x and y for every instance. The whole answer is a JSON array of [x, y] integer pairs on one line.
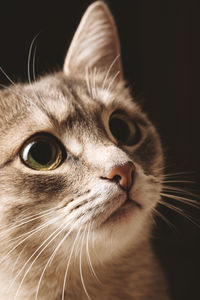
[[146, 190]]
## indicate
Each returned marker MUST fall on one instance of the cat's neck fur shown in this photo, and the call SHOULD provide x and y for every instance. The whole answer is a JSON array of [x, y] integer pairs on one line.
[[136, 271]]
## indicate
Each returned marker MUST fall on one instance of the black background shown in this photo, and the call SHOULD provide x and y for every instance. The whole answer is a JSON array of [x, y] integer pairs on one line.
[[160, 53]]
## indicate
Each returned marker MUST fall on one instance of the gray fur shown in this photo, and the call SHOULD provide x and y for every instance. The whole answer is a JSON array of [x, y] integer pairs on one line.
[[75, 108]]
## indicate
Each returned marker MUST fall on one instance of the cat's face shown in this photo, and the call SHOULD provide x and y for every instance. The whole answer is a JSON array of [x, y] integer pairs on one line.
[[102, 163]]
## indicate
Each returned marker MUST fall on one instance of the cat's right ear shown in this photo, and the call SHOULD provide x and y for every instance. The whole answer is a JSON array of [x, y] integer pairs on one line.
[[95, 43]]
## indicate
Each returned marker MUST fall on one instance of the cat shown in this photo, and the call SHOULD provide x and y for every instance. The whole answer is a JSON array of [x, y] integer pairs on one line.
[[81, 171]]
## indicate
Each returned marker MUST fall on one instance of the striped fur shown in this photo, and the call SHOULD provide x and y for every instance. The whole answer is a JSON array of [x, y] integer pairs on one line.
[[58, 237]]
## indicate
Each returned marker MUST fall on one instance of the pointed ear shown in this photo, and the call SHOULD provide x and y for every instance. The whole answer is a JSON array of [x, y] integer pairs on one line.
[[95, 43]]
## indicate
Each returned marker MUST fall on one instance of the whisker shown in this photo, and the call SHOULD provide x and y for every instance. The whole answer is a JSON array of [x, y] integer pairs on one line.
[[68, 263], [27, 220], [180, 190], [179, 211], [18, 258], [6, 75], [37, 256], [28, 233], [64, 238], [178, 181], [32, 233], [109, 69], [93, 246], [178, 174], [80, 265], [184, 200], [111, 82], [29, 57], [153, 219], [171, 225], [3, 86], [30, 257], [54, 253], [34, 55], [88, 254]]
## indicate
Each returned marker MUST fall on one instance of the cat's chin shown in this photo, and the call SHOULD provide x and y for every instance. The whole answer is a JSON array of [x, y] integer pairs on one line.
[[126, 210], [123, 229]]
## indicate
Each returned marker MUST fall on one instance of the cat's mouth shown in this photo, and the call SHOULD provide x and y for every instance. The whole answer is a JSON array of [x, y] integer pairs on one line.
[[130, 202], [127, 207]]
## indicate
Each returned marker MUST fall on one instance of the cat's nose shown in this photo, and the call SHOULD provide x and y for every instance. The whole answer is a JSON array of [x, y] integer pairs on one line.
[[122, 175]]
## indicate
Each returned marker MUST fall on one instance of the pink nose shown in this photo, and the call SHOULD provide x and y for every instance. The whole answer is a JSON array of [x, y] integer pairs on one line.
[[122, 174]]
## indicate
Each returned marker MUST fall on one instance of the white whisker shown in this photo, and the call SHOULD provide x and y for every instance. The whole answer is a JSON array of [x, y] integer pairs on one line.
[[80, 265], [165, 220], [19, 272], [27, 220], [68, 263], [179, 211], [180, 190], [54, 253], [6, 75], [37, 256], [177, 174], [184, 200], [178, 181], [93, 246], [34, 55], [29, 57], [112, 81], [34, 231], [64, 238], [18, 258], [108, 72], [88, 254]]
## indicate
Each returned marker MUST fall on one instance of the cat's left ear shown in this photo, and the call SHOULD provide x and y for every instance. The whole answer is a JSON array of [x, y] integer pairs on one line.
[[95, 43]]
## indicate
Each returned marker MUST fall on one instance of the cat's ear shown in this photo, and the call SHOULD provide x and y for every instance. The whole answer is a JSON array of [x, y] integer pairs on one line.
[[95, 43]]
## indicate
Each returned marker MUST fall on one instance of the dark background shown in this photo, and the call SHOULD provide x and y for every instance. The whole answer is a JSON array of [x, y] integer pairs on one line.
[[160, 53]]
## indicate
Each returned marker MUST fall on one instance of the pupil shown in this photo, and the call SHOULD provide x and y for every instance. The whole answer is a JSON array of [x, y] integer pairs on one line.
[[41, 152], [119, 129]]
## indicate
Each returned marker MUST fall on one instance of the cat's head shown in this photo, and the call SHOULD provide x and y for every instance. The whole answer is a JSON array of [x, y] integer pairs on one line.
[[77, 153]]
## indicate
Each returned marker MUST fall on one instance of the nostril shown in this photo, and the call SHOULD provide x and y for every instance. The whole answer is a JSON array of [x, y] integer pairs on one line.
[[116, 178], [122, 175]]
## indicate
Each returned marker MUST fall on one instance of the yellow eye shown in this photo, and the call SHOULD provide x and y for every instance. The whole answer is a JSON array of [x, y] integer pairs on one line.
[[124, 130], [42, 153]]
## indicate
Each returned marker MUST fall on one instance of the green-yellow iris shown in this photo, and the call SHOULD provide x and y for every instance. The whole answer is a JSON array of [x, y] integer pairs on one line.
[[42, 153]]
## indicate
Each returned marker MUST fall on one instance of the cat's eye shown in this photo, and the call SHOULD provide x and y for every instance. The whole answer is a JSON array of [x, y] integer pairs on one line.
[[124, 130], [42, 153]]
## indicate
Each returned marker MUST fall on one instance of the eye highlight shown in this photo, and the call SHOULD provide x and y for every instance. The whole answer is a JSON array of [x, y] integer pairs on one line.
[[42, 152], [124, 130]]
